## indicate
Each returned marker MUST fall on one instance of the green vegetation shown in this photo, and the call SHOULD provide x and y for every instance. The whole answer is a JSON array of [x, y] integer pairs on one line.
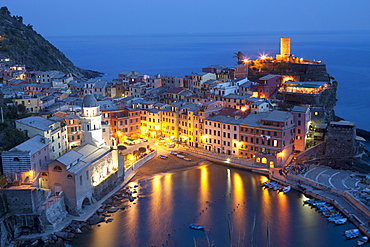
[[10, 137]]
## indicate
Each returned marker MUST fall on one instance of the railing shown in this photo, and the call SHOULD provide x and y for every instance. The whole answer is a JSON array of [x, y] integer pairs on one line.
[[219, 157]]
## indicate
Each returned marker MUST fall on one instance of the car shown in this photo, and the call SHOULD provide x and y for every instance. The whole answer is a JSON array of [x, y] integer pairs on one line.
[[187, 159], [164, 157], [180, 156], [173, 152]]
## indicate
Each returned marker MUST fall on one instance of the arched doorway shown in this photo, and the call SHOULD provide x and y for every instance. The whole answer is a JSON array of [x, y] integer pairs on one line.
[[85, 202]]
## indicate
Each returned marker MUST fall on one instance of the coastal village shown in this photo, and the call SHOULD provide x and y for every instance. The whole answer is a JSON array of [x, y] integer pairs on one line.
[[85, 138]]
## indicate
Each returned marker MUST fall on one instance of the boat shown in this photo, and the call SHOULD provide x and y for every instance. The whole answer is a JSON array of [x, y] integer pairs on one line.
[[362, 241], [286, 189], [326, 208], [334, 218], [340, 221], [352, 233], [196, 227], [309, 201]]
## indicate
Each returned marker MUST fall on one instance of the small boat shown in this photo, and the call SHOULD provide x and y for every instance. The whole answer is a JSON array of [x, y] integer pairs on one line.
[[362, 241], [309, 201], [334, 218], [327, 208], [286, 189], [196, 227], [352, 233], [340, 221]]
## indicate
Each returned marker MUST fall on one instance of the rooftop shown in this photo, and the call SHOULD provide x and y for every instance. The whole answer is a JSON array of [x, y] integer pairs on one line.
[[32, 145], [37, 122]]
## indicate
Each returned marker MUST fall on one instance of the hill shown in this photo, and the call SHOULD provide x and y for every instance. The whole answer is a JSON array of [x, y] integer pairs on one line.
[[23, 45]]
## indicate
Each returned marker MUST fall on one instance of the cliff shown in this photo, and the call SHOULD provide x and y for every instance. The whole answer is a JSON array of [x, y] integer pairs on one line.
[[24, 46]]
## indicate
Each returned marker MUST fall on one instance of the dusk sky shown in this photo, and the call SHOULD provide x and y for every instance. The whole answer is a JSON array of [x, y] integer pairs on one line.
[[71, 17]]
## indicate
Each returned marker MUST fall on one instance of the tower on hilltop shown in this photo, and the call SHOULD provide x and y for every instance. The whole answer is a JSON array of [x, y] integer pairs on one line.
[[284, 49]]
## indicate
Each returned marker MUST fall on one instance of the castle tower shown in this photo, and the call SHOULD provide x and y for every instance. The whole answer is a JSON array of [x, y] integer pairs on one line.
[[91, 119], [284, 49]]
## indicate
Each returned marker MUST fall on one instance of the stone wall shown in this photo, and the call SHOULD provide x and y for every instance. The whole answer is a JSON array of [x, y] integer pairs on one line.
[[24, 200], [55, 214]]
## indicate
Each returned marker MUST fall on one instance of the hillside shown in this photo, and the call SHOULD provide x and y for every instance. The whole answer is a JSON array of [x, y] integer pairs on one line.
[[23, 45]]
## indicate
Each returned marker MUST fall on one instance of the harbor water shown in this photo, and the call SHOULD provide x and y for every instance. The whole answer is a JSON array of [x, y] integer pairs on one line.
[[229, 203]]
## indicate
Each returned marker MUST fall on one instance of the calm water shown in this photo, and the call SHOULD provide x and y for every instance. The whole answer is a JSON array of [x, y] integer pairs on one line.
[[347, 56], [215, 196]]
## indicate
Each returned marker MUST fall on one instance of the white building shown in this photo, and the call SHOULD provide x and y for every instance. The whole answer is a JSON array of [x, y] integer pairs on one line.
[[52, 130]]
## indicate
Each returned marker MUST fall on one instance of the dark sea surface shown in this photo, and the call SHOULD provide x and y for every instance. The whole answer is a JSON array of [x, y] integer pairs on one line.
[[230, 203], [346, 54]]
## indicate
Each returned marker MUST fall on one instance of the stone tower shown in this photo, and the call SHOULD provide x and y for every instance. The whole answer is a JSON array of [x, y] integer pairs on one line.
[[91, 119], [341, 140], [284, 49]]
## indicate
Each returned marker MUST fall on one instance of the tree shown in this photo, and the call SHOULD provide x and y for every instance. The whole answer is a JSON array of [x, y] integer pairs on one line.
[[11, 137], [239, 56], [142, 150]]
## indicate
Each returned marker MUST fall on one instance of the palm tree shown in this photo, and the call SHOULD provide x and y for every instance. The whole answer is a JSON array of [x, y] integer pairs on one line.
[[239, 56]]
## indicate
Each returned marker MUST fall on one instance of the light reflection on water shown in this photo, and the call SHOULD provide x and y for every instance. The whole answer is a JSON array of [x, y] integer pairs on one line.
[[225, 202]]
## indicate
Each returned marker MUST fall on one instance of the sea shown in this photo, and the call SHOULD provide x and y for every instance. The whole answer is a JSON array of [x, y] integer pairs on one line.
[[346, 55], [230, 203]]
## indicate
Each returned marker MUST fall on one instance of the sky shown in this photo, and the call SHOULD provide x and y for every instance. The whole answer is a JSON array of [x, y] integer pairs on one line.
[[117, 17]]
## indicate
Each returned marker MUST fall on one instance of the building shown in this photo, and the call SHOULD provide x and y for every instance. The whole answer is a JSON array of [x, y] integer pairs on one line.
[[86, 173], [302, 117], [26, 161], [54, 131]]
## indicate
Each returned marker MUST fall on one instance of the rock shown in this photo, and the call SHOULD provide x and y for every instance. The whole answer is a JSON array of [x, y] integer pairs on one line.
[[35, 242], [112, 210], [71, 235], [109, 220], [109, 200], [96, 220], [63, 235], [100, 210], [45, 238], [78, 230], [53, 237]]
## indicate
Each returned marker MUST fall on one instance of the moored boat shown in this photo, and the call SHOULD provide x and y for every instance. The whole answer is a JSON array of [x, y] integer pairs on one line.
[[362, 241], [196, 227], [352, 233], [340, 221], [287, 189]]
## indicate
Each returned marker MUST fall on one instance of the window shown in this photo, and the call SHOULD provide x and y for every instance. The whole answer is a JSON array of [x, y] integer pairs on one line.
[[299, 131], [57, 169], [299, 122], [16, 159], [275, 143], [235, 136]]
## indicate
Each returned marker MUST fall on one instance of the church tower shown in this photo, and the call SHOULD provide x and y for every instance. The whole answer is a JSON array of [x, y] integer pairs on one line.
[[91, 119]]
